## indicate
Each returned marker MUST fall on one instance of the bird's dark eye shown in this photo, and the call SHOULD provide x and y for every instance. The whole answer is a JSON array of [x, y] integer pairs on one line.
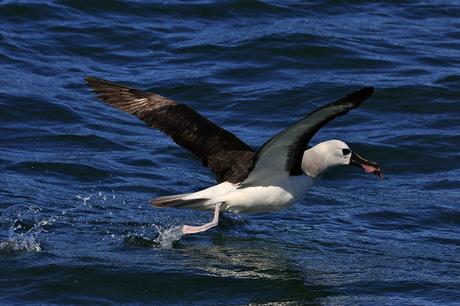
[[346, 151]]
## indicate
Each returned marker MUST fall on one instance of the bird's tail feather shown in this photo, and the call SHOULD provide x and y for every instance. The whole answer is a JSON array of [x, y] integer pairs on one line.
[[179, 201]]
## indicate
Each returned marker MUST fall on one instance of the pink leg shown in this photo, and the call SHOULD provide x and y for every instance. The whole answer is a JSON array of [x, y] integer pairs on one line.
[[188, 229]]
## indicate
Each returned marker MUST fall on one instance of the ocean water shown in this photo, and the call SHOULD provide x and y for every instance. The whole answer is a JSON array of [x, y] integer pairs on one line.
[[76, 176]]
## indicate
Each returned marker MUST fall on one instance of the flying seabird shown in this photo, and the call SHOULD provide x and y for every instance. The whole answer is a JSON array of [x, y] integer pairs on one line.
[[264, 180]]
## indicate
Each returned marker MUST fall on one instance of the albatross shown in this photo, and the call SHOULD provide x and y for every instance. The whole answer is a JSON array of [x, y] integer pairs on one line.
[[248, 180]]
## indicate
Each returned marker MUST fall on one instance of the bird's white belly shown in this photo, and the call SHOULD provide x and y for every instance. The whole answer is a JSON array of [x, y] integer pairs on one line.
[[266, 198]]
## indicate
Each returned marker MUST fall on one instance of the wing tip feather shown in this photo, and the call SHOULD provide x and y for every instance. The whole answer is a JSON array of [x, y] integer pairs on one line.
[[90, 80], [359, 96], [97, 84]]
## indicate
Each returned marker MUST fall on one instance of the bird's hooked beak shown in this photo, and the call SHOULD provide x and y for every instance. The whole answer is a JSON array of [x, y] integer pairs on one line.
[[368, 166]]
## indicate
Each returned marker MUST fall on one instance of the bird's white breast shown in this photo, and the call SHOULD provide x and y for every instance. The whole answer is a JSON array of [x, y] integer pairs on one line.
[[274, 196]]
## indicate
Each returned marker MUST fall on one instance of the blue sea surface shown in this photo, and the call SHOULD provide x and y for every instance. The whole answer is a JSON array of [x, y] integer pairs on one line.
[[76, 175]]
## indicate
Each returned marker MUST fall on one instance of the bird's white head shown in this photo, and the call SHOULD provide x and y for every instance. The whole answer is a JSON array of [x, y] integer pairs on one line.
[[332, 153]]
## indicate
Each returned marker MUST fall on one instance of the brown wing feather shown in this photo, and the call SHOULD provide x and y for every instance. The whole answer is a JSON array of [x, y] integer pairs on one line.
[[229, 158]]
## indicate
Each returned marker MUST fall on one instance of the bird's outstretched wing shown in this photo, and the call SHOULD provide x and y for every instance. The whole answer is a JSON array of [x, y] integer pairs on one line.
[[229, 158], [282, 154]]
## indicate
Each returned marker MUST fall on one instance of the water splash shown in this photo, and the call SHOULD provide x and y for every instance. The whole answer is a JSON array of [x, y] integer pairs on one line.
[[164, 237], [168, 236], [85, 199], [20, 244], [24, 226]]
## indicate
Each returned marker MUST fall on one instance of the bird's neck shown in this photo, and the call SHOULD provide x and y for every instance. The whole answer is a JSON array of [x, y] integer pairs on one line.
[[315, 161]]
